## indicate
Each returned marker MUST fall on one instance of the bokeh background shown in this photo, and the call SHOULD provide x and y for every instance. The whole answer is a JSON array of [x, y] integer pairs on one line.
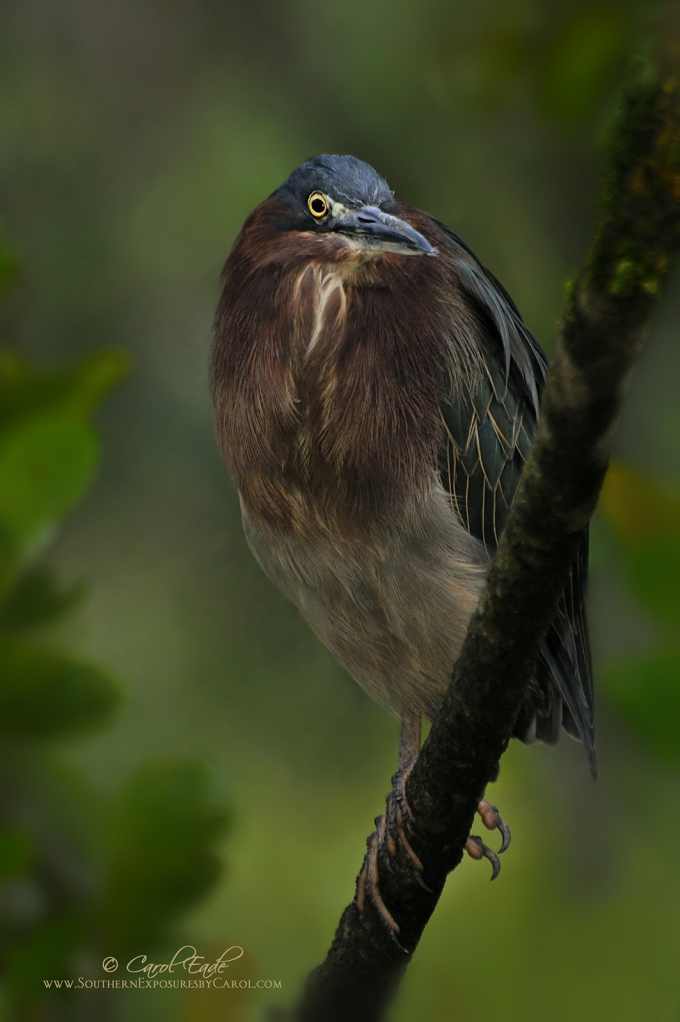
[[181, 762]]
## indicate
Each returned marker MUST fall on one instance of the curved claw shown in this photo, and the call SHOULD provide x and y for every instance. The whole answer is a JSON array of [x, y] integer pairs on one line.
[[505, 831], [476, 849], [493, 820], [494, 860]]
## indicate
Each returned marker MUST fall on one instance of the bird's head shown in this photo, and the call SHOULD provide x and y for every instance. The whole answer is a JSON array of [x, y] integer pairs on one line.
[[344, 196], [337, 207]]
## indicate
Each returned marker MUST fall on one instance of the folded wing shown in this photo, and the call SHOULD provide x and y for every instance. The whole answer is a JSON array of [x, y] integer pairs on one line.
[[488, 435]]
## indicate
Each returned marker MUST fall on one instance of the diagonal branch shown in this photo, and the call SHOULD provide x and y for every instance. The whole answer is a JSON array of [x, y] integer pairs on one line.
[[609, 304]]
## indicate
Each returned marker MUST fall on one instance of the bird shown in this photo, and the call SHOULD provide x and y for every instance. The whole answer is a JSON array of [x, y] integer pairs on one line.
[[376, 393]]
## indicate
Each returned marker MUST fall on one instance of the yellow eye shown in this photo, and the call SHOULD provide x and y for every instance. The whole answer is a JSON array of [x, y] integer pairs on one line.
[[318, 205]]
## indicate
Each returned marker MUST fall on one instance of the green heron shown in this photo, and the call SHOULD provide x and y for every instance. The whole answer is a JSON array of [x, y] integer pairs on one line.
[[376, 393]]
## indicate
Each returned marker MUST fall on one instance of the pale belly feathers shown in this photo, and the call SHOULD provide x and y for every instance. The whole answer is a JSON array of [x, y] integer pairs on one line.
[[393, 608]]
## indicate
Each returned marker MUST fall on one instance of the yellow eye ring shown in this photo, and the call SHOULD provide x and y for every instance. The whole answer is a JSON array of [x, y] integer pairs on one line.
[[318, 205]]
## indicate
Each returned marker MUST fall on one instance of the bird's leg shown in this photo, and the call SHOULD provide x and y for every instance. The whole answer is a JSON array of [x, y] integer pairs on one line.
[[400, 818], [399, 815], [391, 828], [409, 739]]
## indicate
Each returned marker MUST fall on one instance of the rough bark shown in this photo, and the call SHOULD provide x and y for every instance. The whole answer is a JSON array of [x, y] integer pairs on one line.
[[599, 339]]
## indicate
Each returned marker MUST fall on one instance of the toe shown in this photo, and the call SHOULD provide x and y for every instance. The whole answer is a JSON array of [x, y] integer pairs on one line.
[[368, 883], [476, 849], [493, 820]]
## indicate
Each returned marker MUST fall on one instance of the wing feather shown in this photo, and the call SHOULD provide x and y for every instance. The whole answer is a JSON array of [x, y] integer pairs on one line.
[[488, 434]]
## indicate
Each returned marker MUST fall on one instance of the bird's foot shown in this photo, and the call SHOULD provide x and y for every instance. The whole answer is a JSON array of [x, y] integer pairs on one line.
[[400, 820], [476, 848], [392, 834], [368, 884], [389, 837]]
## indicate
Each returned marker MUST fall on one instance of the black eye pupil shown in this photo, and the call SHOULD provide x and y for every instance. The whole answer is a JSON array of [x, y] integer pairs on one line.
[[318, 206]]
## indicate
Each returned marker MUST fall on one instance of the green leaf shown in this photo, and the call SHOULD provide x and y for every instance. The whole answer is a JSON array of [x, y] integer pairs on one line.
[[48, 448], [163, 832], [44, 695], [16, 853], [45, 953], [94, 378], [36, 600], [646, 692], [27, 391], [46, 465]]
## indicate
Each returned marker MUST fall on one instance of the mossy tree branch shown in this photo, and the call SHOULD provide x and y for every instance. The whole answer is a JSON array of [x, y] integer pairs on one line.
[[600, 336]]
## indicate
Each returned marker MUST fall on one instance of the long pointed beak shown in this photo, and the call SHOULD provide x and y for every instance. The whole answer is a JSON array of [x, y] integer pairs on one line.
[[372, 229]]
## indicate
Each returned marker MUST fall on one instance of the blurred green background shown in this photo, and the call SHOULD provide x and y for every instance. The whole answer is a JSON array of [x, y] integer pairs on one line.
[[154, 685]]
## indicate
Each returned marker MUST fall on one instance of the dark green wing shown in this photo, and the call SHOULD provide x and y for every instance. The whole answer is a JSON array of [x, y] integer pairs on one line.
[[488, 435]]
